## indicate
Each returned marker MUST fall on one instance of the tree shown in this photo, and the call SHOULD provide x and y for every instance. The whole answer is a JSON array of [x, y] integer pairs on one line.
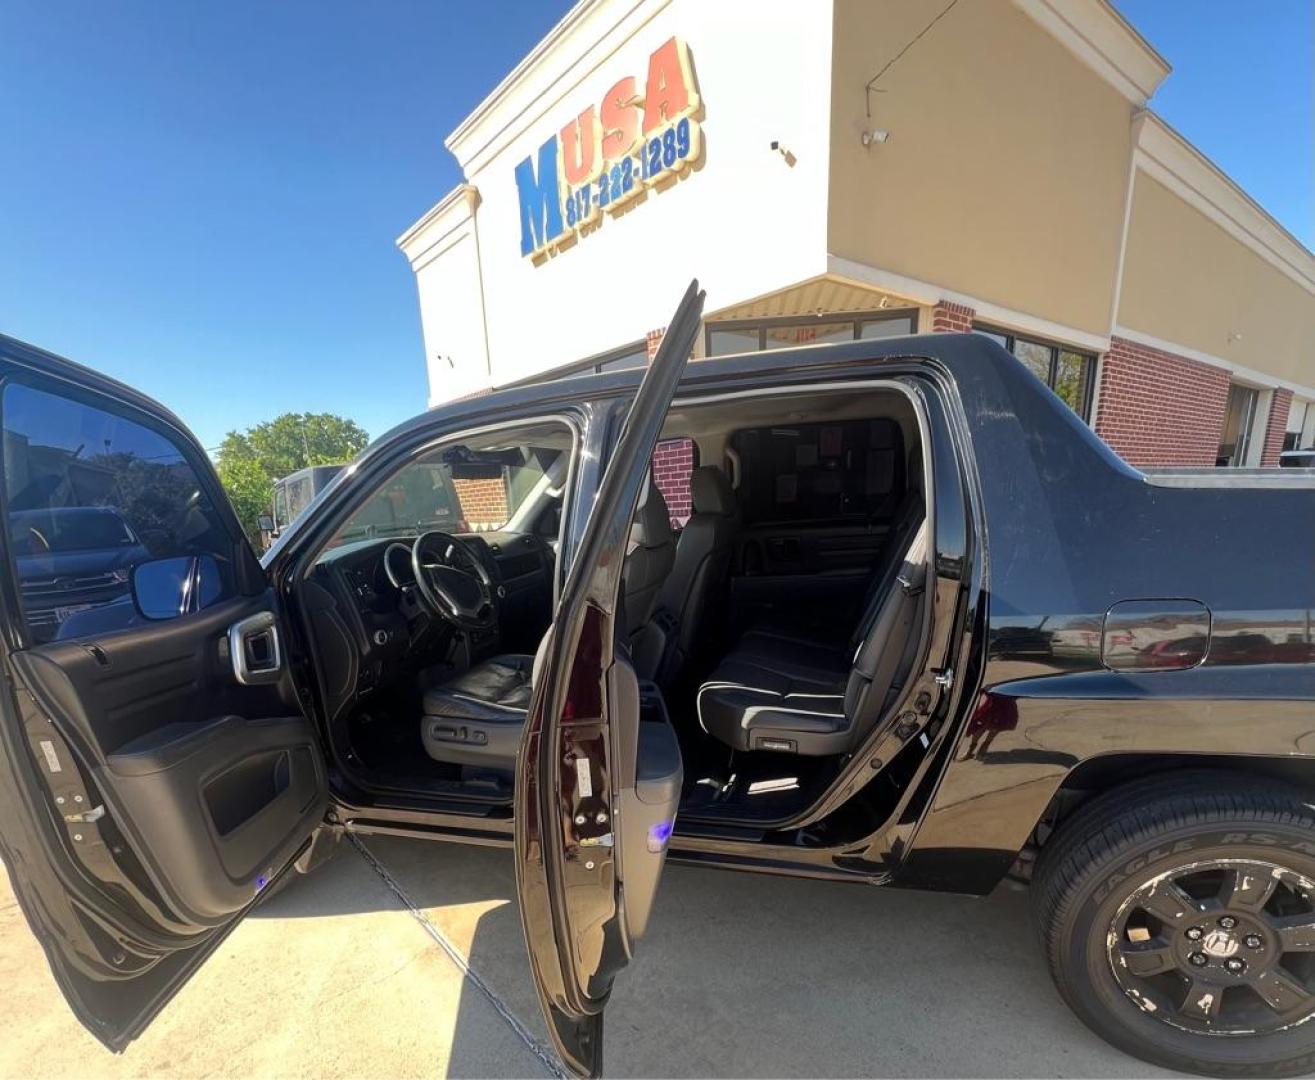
[[250, 461], [249, 490]]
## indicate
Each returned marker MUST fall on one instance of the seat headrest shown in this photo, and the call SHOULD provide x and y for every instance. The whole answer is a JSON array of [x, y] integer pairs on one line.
[[710, 491], [652, 524]]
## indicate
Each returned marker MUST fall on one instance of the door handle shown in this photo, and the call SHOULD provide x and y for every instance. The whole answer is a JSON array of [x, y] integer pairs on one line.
[[253, 647]]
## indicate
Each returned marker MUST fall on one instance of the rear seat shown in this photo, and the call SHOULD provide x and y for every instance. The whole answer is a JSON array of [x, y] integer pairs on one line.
[[777, 691]]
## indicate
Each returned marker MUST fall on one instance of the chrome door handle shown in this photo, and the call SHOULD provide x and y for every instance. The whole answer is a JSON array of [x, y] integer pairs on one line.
[[253, 647]]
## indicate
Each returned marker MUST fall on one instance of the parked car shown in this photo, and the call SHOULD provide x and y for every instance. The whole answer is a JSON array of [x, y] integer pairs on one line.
[[70, 559], [294, 492], [922, 629]]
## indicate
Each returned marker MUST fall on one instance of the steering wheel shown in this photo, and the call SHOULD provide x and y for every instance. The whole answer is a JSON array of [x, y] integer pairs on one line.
[[453, 582]]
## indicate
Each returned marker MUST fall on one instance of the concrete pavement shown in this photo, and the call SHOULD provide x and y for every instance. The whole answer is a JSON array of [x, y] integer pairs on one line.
[[359, 970]]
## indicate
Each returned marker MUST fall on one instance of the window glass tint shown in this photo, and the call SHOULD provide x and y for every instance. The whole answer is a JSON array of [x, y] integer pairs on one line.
[[1235, 444], [1071, 380], [636, 359], [820, 472], [1066, 371], [787, 337], [472, 486], [90, 496], [726, 342], [884, 328], [1035, 357]]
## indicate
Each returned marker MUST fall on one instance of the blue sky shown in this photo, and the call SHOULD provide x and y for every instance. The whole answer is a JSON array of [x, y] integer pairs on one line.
[[201, 198]]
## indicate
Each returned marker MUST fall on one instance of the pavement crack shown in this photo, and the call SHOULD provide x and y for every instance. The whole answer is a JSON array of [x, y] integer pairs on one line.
[[545, 1055]]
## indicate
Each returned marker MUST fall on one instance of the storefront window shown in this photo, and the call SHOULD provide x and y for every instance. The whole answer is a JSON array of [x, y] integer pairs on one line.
[[787, 337], [786, 333], [1239, 422], [1067, 372], [727, 342]]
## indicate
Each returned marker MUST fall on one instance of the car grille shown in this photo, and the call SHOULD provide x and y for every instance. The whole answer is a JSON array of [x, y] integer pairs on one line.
[[55, 587]]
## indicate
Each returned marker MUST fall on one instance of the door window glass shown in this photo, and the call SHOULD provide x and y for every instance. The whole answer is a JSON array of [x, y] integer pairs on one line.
[[90, 496]]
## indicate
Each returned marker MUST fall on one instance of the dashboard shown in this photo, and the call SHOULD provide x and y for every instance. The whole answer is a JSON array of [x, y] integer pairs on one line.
[[369, 620]]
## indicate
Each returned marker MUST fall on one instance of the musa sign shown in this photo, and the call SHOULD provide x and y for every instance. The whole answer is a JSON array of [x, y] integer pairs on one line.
[[609, 154]]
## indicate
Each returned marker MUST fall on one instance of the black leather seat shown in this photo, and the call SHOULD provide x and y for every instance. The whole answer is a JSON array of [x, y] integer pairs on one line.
[[703, 555], [476, 717], [777, 692], [650, 556]]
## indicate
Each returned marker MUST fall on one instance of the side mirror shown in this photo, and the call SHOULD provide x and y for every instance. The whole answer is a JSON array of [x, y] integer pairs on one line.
[[167, 588], [265, 523]]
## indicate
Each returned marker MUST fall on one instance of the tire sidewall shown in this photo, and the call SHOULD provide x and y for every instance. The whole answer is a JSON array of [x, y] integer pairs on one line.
[[1096, 996]]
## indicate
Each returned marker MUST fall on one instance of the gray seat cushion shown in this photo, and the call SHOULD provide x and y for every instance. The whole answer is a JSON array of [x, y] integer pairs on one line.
[[476, 718]]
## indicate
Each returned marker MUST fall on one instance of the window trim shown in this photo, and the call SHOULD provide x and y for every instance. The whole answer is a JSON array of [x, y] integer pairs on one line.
[[1055, 348], [856, 319]]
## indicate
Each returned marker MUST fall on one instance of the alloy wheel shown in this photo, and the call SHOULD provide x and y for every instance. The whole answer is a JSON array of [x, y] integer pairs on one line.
[[1222, 947]]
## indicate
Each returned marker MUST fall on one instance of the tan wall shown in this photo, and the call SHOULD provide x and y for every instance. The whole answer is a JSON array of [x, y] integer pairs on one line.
[[1187, 281], [1005, 173]]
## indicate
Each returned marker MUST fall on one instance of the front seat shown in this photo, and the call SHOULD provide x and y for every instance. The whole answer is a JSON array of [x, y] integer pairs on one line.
[[703, 555], [476, 717], [649, 557]]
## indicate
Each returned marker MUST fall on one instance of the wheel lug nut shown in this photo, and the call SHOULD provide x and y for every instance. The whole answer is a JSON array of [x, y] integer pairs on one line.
[[1198, 959], [1235, 965], [1228, 922], [1252, 941], [1195, 933]]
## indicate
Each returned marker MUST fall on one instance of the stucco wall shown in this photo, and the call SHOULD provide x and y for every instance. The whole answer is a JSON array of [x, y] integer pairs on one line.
[[1007, 164], [1188, 281], [746, 221]]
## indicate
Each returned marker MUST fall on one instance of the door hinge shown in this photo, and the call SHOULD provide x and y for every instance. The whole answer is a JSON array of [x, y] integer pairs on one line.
[[944, 679]]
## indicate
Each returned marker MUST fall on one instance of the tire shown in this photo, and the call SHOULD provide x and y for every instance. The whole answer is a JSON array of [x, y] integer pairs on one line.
[[1125, 903]]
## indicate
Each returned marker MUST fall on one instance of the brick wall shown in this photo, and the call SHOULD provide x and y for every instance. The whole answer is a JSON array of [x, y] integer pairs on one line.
[[1157, 408], [483, 502], [1278, 426], [673, 461], [956, 318], [652, 340]]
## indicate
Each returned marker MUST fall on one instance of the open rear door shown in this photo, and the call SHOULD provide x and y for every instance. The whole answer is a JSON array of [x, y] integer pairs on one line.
[[599, 771], [156, 771]]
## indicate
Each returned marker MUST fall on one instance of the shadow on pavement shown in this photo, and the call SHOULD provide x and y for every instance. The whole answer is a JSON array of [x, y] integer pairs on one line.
[[749, 975]]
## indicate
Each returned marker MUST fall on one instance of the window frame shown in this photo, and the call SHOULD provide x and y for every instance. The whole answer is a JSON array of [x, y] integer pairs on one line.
[[1055, 348], [856, 319]]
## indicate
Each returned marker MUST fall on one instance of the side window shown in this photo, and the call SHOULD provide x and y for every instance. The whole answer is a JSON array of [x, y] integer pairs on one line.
[[673, 461], [96, 504]]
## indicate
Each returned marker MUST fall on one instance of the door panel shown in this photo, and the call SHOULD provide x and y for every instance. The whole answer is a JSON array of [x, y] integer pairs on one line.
[[150, 787], [599, 772]]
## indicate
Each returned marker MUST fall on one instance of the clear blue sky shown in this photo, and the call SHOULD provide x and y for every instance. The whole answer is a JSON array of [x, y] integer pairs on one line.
[[201, 198]]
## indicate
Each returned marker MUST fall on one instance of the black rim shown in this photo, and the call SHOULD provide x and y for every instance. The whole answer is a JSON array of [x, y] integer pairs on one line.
[[1224, 947]]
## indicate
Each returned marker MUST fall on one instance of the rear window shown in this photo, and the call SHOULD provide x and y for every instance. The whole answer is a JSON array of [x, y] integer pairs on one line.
[[852, 469]]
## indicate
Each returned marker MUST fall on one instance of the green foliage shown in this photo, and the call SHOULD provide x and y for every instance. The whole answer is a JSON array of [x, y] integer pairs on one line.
[[295, 440], [250, 461], [249, 490]]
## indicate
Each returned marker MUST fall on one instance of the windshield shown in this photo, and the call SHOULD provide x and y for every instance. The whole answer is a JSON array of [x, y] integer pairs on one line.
[[471, 486], [39, 533]]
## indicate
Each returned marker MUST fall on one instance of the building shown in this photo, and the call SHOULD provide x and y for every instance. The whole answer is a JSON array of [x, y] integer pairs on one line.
[[840, 168]]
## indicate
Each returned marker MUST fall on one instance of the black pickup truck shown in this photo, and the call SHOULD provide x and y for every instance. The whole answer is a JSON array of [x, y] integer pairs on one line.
[[920, 629]]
